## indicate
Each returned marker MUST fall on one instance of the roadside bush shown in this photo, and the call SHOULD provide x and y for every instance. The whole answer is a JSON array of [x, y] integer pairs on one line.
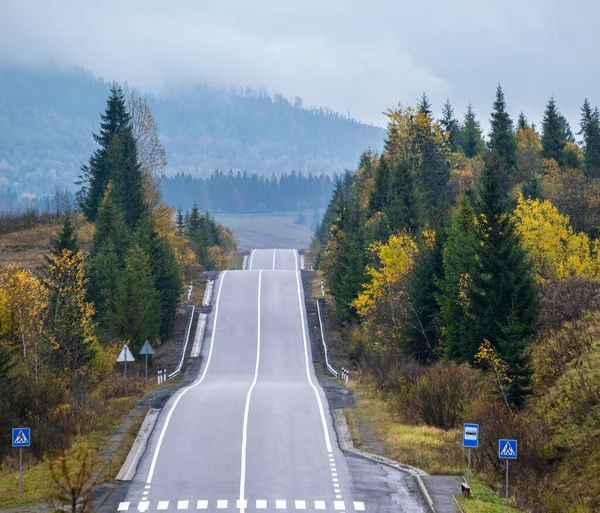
[[441, 395]]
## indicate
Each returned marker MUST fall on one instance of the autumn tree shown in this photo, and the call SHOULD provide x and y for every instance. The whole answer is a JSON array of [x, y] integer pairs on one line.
[[529, 164]]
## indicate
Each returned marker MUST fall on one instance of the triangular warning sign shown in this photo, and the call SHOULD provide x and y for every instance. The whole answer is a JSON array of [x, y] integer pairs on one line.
[[21, 439], [125, 355], [507, 451]]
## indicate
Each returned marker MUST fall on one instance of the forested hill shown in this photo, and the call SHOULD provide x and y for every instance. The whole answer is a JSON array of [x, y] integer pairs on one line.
[[46, 122]]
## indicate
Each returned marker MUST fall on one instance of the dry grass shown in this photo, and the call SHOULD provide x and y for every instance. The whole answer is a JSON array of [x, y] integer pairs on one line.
[[27, 248], [428, 448]]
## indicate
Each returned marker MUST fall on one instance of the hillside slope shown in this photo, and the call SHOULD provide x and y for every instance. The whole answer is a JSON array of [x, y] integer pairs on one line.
[[46, 122]]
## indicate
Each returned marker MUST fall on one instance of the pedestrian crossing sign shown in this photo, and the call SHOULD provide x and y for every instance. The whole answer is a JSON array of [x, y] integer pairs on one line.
[[20, 437], [507, 449]]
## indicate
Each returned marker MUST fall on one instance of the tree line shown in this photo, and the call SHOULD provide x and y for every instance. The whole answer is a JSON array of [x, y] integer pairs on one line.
[[447, 249], [249, 193], [113, 275]]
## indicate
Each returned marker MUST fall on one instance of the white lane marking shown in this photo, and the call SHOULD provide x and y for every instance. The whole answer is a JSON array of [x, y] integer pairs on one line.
[[143, 506], [338, 496], [274, 253], [163, 505], [334, 474], [123, 506], [319, 504], [321, 411], [338, 505], [261, 504], [241, 503], [183, 504], [193, 385], [335, 480], [147, 486], [222, 504], [280, 504], [251, 258], [247, 408], [300, 504], [202, 505], [296, 260], [359, 506]]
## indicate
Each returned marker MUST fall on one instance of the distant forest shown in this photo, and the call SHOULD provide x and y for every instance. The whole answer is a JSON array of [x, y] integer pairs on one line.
[[244, 193], [47, 118]]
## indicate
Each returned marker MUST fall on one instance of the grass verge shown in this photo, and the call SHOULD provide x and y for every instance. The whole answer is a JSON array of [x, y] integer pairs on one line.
[[484, 500]]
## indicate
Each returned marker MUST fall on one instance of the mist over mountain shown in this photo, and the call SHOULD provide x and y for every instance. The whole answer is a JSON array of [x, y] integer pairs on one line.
[[47, 119]]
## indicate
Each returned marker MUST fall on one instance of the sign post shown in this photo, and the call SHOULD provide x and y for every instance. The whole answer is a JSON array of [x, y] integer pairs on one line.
[[146, 350], [21, 437], [507, 450], [322, 289], [125, 356], [470, 439]]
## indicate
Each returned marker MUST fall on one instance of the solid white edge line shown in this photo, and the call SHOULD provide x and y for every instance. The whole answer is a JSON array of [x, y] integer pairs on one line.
[[321, 410], [193, 385], [274, 253], [251, 259], [297, 260], [247, 407]]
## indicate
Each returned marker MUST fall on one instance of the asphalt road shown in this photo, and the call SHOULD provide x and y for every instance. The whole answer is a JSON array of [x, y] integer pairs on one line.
[[254, 431]]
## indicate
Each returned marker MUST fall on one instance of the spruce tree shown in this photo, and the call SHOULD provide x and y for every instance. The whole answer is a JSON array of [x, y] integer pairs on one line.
[[424, 106], [66, 238], [180, 221], [553, 133], [471, 143], [109, 225], [136, 316], [450, 126], [502, 303], [96, 175], [522, 121], [590, 130], [403, 208], [105, 269], [381, 186], [459, 264], [502, 138]]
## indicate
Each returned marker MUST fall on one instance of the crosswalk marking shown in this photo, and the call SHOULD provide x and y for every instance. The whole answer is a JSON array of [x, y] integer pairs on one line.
[[280, 504]]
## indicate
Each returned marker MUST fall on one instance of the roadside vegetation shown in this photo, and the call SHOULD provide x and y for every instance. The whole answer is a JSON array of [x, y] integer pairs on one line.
[[113, 274], [464, 278]]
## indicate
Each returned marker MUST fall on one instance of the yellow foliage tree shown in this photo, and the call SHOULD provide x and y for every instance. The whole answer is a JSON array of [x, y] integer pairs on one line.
[[529, 155], [556, 252], [23, 308], [217, 258]]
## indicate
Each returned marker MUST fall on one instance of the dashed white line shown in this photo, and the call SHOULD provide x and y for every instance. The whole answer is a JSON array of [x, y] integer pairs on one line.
[[143, 506], [241, 503], [300, 504], [163, 505], [123, 506], [339, 505], [183, 504], [261, 504], [280, 504], [359, 506], [274, 252], [222, 504], [319, 504], [193, 385], [202, 505]]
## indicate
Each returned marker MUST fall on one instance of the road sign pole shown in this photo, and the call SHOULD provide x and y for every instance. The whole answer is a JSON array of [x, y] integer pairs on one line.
[[507, 486], [469, 468], [20, 472], [125, 377], [146, 370]]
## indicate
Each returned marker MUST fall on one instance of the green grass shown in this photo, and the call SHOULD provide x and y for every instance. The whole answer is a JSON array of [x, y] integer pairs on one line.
[[484, 500]]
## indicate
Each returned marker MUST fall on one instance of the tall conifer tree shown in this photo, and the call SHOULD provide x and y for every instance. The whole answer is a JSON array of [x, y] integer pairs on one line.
[[502, 138], [553, 133]]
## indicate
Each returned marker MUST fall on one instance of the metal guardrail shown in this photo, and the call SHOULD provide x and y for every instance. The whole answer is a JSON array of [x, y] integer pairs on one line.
[[187, 337], [324, 340]]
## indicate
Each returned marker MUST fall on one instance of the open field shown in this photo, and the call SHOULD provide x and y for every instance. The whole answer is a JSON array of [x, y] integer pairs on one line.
[[277, 231]]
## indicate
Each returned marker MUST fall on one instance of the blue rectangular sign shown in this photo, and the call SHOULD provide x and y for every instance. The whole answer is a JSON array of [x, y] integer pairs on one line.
[[507, 449], [471, 435], [21, 437]]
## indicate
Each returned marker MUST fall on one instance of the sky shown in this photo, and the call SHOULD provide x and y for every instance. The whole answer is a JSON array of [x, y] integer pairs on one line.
[[355, 56]]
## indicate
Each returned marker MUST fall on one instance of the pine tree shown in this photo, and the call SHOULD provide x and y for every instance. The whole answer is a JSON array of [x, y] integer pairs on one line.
[[590, 130], [553, 133], [96, 175], [136, 317], [66, 238], [471, 140], [502, 304], [502, 138], [110, 225], [424, 106], [451, 126], [180, 221], [458, 268]]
